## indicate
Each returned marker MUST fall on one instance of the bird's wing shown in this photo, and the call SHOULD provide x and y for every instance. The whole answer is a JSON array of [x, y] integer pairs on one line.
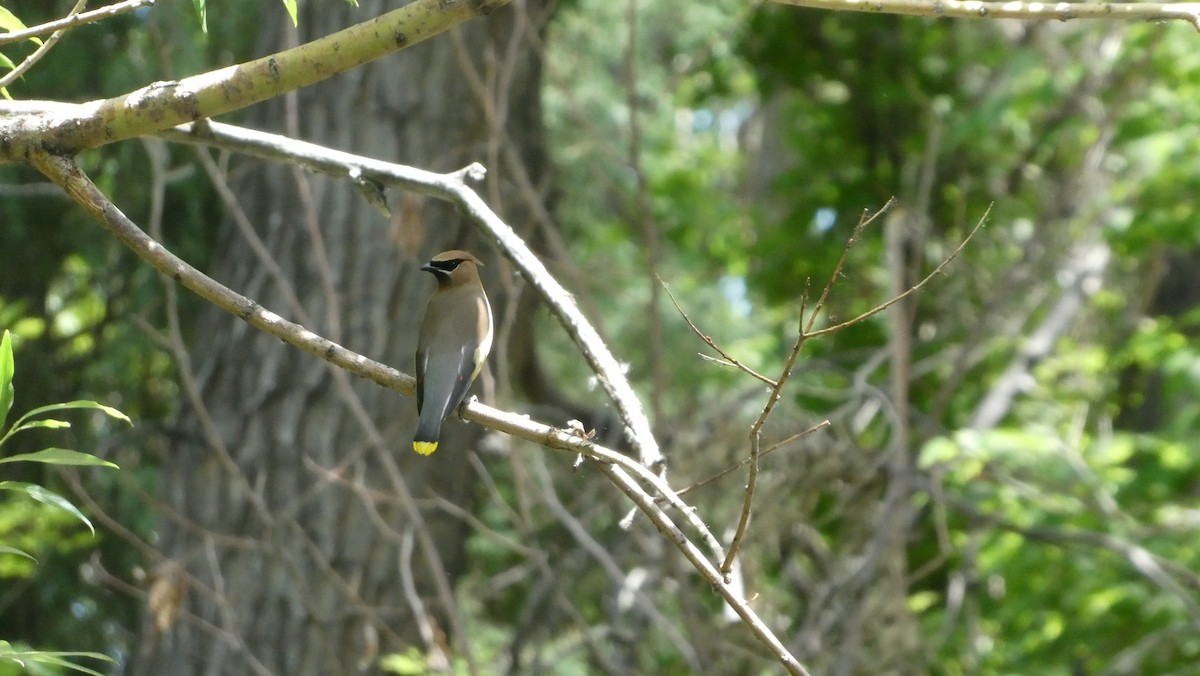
[[462, 381], [447, 377], [421, 360]]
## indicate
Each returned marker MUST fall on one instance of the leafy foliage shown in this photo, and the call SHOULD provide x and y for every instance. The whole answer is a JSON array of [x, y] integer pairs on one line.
[[1032, 537], [730, 151], [23, 521]]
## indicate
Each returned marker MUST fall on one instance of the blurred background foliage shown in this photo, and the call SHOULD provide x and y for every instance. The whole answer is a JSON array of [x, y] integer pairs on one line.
[[729, 150]]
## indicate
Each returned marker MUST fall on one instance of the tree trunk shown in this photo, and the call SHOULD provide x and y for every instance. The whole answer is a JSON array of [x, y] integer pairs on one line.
[[285, 507]]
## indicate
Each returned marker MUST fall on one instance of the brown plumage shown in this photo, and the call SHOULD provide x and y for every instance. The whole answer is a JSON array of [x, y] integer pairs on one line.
[[455, 338]]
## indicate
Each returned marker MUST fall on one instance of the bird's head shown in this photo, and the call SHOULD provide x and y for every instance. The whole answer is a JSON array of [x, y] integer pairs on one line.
[[453, 267]]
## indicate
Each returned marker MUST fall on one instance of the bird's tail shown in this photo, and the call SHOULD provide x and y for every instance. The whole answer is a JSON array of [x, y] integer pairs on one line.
[[425, 441]]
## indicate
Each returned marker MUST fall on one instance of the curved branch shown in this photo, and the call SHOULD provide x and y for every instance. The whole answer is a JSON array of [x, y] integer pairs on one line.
[[618, 468], [453, 187]]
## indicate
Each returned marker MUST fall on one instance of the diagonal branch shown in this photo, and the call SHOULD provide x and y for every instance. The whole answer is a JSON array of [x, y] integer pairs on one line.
[[453, 187], [911, 290], [617, 467], [803, 333], [444, 186], [726, 358], [41, 51], [73, 19], [163, 105]]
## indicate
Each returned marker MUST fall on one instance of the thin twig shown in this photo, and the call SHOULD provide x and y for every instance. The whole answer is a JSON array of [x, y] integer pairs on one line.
[[915, 288], [74, 19], [162, 105], [807, 332], [726, 358], [41, 51], [802, 334], [733, 468], [863, 222], [1047, 11]]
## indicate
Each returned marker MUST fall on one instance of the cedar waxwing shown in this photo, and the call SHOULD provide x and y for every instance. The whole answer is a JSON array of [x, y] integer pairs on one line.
[[456, 335]]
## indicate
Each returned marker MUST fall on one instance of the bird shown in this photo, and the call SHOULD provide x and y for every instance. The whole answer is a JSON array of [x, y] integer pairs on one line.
[[455, 338]]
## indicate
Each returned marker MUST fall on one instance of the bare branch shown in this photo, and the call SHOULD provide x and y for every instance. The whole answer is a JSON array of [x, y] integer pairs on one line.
[[727, 590], [453, 187], [41, 51], [915, 288], [806, 331], [1039, 11], [74, 19], [802, 334], [67, 175], [733, 468], [163, 105], [726, 358]]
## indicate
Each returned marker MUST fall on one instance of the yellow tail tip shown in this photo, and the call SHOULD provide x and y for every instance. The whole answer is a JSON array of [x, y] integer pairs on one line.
[[425, 447]]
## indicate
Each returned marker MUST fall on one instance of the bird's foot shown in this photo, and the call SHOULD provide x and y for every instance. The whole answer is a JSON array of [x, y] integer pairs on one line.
[[463, 406]]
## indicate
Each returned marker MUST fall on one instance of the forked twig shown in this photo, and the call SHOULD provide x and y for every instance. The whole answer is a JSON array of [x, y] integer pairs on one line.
[[803, 334], [726, 358], [913, 289], [733, 468], [806, 332], [41, 51], [73, 19]]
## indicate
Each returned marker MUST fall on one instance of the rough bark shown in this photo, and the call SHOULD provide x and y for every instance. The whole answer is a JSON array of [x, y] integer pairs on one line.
[[292, 535]]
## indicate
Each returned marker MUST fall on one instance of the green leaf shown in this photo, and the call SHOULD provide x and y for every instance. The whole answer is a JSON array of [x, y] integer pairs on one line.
[[202, 10], [290, 6], [21, 657], [48, 498], [82, 403], [48, 422], [5, 549], [6, 375], [59, 456], [9, 21], [57, 659]]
